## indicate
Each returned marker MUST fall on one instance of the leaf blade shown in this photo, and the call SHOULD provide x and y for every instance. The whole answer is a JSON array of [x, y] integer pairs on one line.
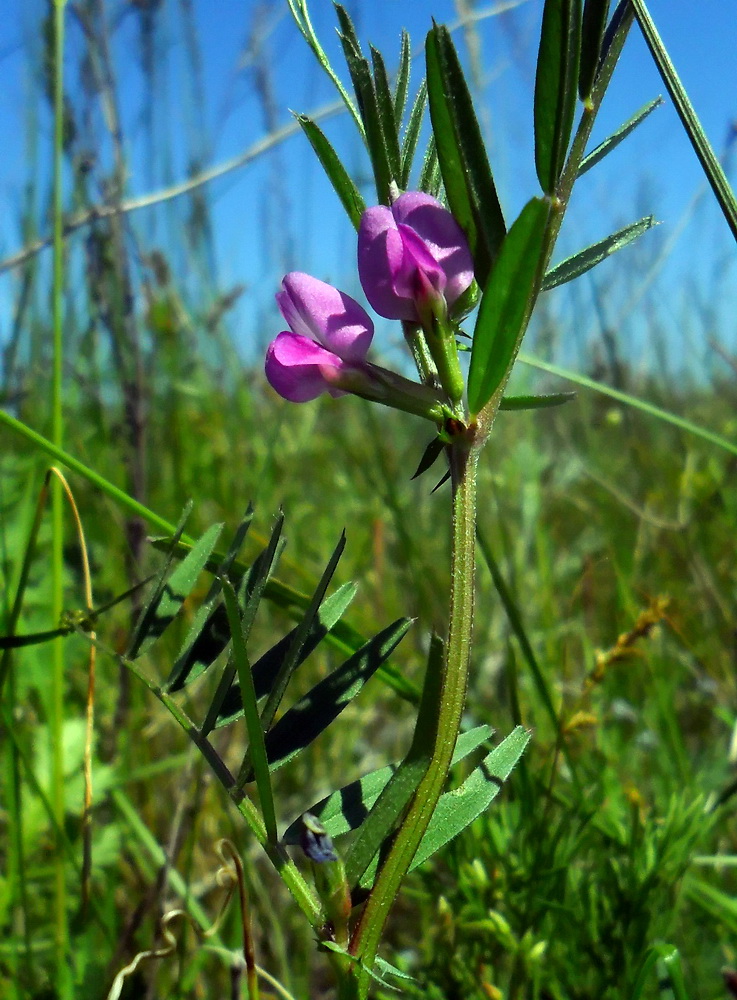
[[506, 303]]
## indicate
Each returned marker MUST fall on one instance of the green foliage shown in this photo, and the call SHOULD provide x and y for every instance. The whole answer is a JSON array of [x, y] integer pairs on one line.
[[556, 88], [467, 177], [506, 303]]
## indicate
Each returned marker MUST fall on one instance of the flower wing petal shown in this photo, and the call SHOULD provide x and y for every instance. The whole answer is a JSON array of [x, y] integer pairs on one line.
[[293, 364], [314, 309]]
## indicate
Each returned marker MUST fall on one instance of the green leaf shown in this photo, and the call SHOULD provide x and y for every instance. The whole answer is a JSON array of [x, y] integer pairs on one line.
[[431, 179], [345, 809], [368, 105], [689, 119], [615, 138], [458, 809], [584, 260], [250, 590], [555, 88], [592, 35], [267, 667], [391, 804], [506, 303], [304, 722], [387, 119], [170, 594], [256, 745], [350, 197], [208, 635], [469, 185], [293, 655], [412, 135], [536, 402], [403, 73]]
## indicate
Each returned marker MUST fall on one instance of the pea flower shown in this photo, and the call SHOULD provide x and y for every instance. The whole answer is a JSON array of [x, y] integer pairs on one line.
[[330, 334], [412, 256], [325, 351]]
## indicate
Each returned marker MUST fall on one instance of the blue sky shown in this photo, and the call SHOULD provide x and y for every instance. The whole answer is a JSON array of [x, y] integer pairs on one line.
[[279, 212]]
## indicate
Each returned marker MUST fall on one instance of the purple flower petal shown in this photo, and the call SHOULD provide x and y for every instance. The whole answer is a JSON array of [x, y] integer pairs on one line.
[[410, 250], [293, 367], [314, 309]]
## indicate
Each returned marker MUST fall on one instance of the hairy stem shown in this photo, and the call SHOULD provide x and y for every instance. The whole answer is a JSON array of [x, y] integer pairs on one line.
[[366, 938]]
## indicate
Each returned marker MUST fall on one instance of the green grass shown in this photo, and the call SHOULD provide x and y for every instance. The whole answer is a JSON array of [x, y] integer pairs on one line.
[[593, 515]]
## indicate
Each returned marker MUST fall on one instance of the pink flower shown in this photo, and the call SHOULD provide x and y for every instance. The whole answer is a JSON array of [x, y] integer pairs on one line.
[[327, 343], [410, 255]]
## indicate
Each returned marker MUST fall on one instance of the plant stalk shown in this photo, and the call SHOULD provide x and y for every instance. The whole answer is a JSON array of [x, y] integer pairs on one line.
[[367, 935], [56, 728]]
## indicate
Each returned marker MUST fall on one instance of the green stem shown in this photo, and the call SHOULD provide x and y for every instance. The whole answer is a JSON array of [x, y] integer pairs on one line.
[[367, 936], [57, 515]]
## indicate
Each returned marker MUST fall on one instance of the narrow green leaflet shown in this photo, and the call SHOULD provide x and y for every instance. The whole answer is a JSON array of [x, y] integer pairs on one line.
[[345, 809], [584, 260], [387, 118], [469, 184], [458, 809], [208, 635], [403, 73], [536, 402], [256, 747], [266, 668], [506, 303], [391, 804], [612, 141], [346, 190], [431, 179], [412, 134], [592, 35], [304, 722], [368, 106], [556, 82], [250, 592], [170, 594]]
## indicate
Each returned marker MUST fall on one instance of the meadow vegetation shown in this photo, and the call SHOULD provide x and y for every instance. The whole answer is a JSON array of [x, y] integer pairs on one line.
[[605, 623]]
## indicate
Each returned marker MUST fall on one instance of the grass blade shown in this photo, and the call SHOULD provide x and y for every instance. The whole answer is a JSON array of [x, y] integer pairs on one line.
[[689, 119], [265, 669]]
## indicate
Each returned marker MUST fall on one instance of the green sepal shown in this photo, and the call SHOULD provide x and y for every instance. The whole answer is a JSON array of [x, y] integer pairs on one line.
[[581, 262], [507, 303], [469, 184], [556, 88]]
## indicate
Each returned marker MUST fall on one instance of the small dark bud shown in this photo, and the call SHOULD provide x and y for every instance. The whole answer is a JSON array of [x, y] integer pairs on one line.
[[315, 840]]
